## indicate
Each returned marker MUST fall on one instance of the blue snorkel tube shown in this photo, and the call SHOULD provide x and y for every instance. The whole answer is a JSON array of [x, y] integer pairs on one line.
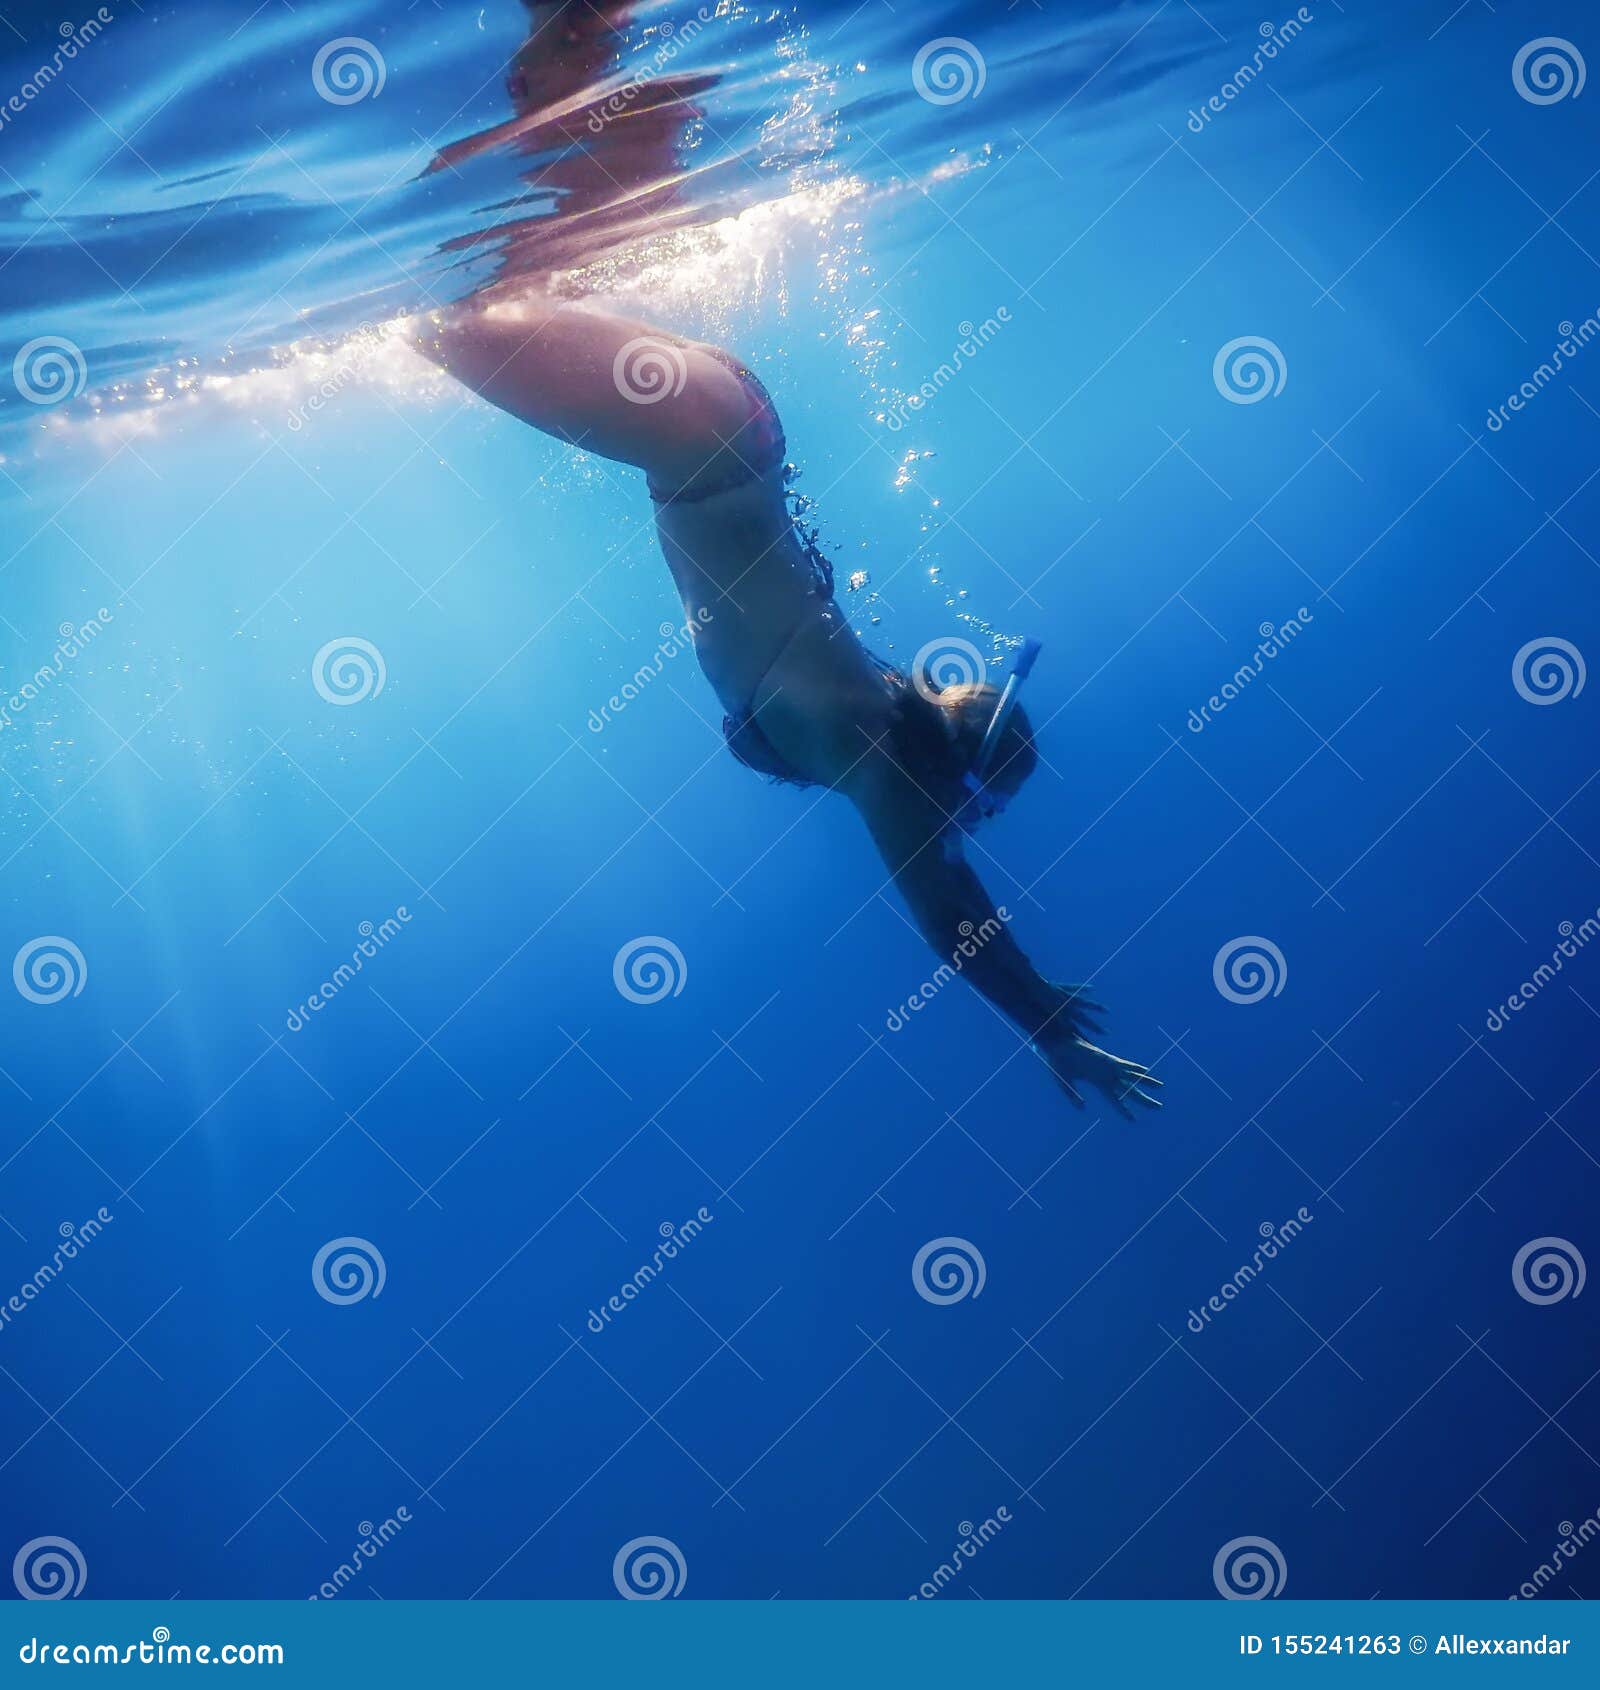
[[981, 802]]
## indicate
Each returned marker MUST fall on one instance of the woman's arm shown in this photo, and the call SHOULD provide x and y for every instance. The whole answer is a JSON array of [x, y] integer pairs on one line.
[[922, 849]]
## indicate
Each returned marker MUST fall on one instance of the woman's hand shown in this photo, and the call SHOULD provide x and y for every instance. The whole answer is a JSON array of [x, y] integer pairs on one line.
[[1077, 1063]]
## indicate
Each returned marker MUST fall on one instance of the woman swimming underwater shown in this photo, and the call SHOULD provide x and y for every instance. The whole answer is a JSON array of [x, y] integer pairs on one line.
[[805, 701]]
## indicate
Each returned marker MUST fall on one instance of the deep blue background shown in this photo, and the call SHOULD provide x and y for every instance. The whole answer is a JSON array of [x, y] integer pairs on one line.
[[1382, 1405]]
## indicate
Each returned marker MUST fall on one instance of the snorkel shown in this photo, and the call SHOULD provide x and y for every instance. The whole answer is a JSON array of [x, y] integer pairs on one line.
[[981, 802]]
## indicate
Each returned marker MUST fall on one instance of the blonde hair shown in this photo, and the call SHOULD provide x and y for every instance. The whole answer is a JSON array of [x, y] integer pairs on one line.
[[972, 706]]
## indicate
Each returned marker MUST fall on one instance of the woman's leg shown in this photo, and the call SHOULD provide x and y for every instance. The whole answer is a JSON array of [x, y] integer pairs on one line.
[[609, 384]]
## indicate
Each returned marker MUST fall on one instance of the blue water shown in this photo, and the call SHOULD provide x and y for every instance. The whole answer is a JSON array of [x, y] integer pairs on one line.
[[511, 1134]]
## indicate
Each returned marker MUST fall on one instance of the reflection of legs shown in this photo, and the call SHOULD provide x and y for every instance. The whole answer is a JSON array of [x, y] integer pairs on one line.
[[608, 149], [605, 382]]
